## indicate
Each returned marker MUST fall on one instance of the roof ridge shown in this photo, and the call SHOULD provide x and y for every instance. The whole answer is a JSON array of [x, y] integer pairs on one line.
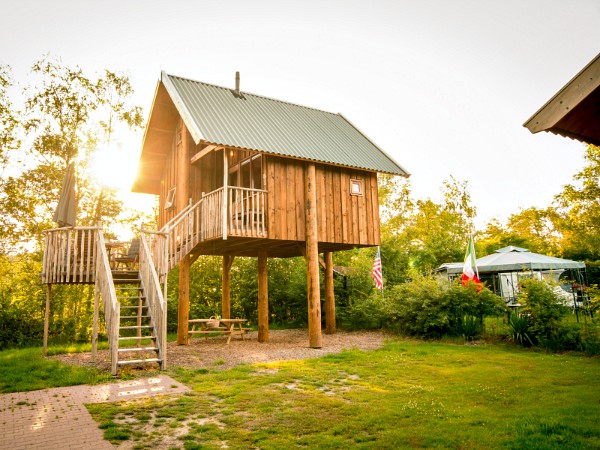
[[254, 95]]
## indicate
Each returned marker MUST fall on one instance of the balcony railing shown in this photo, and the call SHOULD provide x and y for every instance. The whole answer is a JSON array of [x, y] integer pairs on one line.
[[70, 255], [244, 216]]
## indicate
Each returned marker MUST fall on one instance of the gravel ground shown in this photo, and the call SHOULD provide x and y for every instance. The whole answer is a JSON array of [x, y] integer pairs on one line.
[[214, 353]]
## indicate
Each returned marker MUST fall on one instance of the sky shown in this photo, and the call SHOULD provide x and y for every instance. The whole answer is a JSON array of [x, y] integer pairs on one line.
[[442, 86]]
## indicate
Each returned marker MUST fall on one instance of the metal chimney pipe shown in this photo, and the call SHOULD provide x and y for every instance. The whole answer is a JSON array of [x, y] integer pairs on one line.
[[237, 84]]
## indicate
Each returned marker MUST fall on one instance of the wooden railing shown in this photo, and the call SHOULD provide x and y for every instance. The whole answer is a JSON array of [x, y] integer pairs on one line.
[[245, 217], [70, 255], [154, 297], [157, 243], [247, 212], [182, 234], [212, 215], [112, 311]]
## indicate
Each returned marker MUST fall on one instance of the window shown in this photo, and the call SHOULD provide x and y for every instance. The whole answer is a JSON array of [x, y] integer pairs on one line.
[[170, 200], [356, 187], [246, 171]]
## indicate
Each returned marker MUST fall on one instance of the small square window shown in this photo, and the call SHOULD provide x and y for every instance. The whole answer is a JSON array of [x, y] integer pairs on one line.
[[170, 200], [356, 187]]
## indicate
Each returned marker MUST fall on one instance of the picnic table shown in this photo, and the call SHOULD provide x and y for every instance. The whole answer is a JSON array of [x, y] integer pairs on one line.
[[223, 327]]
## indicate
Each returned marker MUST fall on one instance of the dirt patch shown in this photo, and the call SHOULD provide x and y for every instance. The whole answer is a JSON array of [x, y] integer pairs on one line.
[[215, 353]]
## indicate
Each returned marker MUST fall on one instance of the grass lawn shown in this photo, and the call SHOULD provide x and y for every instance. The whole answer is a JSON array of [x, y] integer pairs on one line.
[[27, 370], [408, 394]]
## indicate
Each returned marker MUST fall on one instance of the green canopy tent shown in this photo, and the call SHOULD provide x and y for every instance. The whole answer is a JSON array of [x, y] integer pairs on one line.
[[506, 266]]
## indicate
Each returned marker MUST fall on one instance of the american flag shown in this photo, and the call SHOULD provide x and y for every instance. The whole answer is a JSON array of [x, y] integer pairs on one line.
[[377, 274]]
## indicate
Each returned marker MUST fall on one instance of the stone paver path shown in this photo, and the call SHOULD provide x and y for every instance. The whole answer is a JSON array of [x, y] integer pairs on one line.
[[56, 418]]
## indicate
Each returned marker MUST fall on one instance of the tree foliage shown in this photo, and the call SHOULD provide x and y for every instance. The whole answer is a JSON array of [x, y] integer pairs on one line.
[[422, 234], [66, 115]]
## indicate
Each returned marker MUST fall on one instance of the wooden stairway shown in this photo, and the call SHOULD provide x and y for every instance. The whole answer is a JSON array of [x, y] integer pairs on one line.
[[137, 340]]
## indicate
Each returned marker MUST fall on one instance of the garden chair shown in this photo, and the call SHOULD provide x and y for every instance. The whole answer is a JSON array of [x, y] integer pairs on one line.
[[132, 256]]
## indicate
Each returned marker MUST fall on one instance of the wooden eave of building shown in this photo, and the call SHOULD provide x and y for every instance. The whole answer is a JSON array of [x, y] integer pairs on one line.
[[574, 111], [158, 139]]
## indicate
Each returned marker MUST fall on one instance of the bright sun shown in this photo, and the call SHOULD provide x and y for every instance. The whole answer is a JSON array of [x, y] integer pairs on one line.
[[114, 167]]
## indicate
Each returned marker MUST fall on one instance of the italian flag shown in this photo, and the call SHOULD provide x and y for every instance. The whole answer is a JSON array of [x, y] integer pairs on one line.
[[470, 266]]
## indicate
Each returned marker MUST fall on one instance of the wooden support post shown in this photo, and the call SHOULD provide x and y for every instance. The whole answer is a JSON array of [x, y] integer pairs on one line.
[[95, 322], [329, 294], [263, 297], [224, 211], [183, 196], [312, 258], [226, 287], [47, 317], [183, 305]]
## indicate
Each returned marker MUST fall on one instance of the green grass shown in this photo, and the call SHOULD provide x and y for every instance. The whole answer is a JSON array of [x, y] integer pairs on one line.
[[408, 394], [27, 370]]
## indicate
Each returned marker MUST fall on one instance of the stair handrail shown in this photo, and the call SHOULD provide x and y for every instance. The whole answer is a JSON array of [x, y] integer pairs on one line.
[[182, 215], [183, 233], [112, 308], [177, 217], [154, 296]]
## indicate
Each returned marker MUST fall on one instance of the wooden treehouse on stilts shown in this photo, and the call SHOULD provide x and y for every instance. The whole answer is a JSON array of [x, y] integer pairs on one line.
[[243, 175]]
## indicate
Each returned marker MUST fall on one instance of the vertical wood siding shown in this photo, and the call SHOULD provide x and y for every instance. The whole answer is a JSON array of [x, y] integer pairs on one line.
[[342, 217]]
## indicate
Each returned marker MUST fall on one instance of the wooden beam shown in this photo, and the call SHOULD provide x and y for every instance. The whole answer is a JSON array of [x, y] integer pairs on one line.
[[183, 195], [329, 294], [47, 317], [263, 297], [183, 305], [312, 258], [226, 287], [95, 322], [202, 153]]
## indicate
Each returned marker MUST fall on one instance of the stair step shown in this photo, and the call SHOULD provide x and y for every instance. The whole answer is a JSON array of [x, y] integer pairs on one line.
[[133, 306], [134, 317], [135, 327], [138, 361], [138, 349], [135, 338]]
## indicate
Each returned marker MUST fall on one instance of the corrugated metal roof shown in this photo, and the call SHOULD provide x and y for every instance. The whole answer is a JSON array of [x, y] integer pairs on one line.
[[249, 121]]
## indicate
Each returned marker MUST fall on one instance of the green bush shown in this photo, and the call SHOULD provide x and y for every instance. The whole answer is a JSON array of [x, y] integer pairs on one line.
[[545, 312], [432, 308], [519, 328], [364, 313]]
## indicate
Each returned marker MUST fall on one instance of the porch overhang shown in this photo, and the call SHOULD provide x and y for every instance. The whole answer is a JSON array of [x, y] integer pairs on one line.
[[574, 111]]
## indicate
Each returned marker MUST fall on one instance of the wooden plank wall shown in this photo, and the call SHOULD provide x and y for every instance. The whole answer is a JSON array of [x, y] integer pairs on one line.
[[342, 217], [168, 180]]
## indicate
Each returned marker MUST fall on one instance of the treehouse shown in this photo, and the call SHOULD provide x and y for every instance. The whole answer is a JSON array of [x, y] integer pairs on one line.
[[239, 174]]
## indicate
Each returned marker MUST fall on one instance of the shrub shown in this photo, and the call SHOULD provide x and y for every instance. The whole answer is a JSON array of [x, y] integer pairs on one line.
[[519, 327], [432, 308], [545, 312], [365, 313]]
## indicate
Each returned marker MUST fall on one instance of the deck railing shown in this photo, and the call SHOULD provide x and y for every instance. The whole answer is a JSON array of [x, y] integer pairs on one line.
[[154, 297], [112, 308], [245, 217], [247, 212], [70, 255], [211, 216]]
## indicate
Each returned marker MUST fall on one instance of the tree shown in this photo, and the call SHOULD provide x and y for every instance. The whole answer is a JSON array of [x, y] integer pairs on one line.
[[531, 228], [422, 234], [9, 120], [67, 115], [579, 208]]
